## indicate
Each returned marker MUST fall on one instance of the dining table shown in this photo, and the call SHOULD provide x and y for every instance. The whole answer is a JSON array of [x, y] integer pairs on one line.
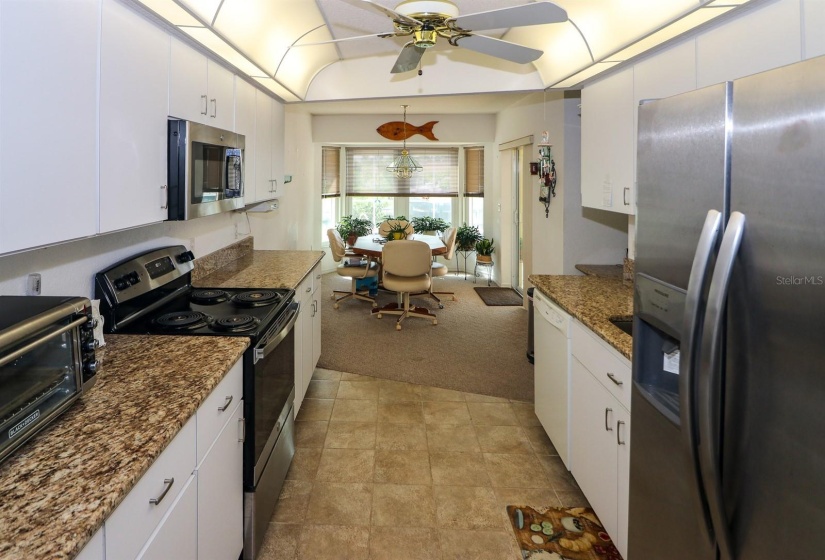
[[372, 245]]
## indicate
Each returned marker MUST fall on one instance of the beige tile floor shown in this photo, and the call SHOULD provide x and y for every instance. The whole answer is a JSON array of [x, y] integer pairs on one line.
[[390, 470]]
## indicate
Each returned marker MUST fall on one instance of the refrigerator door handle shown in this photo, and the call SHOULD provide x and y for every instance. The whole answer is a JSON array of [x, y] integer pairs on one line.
[[710, 382], [691, 329]]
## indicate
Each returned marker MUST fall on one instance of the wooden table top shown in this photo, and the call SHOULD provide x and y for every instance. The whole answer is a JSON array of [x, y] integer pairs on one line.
[[366, 246]]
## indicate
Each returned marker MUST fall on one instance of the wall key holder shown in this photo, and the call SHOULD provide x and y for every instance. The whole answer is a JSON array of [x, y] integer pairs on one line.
[[547, 176]]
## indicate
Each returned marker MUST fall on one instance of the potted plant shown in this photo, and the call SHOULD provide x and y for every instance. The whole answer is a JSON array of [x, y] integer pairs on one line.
[[351, 228], [428, 225], [397, 229], [484, 250], [466, 237]]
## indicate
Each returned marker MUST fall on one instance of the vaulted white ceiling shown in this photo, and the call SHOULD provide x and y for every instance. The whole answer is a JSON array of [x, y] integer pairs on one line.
[[263, 38]]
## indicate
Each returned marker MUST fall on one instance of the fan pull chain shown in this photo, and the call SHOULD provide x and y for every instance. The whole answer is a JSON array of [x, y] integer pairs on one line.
[[420, 71]]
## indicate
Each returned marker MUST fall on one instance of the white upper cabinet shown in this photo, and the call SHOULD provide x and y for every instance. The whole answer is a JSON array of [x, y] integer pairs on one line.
[[278, 140], [134, 74], [759, 40], [245, 124], [607, 112], [264, 186], [200, 90], [221, 92], [48, 111]]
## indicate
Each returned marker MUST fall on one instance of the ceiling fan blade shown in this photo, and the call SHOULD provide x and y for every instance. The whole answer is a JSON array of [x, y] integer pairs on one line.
[[498, 48], [331, 41], [395, 16], [408, 59], [518, 16]]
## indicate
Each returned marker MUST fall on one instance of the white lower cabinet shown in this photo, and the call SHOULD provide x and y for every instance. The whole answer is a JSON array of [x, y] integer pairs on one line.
[[600, 431], [220, 494], [307, 332], [95, 549], [189, 504], [177, 532]]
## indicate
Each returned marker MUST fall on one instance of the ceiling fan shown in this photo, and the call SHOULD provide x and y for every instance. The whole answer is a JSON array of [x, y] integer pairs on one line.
[[427, 20]]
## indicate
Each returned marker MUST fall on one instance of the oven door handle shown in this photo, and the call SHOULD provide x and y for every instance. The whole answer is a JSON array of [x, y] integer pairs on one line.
[[288, 321]]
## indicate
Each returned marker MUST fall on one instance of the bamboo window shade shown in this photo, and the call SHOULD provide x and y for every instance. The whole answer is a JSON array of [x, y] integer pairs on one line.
[[330, 172], [474, 171], [367, 173]]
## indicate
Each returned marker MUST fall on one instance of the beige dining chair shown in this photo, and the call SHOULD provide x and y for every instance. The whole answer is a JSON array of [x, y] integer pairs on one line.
[[339, 254], [407, 266], [439, 269], [386, 226]]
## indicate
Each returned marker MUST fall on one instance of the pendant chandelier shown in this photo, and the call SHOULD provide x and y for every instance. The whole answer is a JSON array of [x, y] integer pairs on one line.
[[404, 166]]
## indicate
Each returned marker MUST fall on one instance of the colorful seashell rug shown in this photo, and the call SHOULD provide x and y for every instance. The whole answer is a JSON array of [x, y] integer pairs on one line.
[[561, 534]]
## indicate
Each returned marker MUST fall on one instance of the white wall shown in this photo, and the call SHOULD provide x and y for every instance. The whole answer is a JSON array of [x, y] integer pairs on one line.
[[68, 269], [569, 235], [361, 129]]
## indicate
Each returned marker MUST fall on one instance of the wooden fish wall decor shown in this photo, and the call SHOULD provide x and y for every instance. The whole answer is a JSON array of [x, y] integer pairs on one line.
[[395, 130]]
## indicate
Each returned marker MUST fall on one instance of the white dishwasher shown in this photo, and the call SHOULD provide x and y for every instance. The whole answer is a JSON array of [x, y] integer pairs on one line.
[[552, 372]]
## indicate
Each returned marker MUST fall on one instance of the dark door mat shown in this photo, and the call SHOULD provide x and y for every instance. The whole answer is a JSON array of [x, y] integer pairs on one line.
[[499, 296], [555, 533]]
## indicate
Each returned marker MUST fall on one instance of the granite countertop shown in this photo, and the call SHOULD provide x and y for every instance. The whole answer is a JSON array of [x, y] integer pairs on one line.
[[58, 488], [593, 301], [263, 269], [602, 270]]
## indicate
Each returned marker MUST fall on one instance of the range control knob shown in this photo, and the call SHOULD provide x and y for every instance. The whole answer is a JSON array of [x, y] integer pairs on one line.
[[133, 278], [90, 345], [185, 257], [121, 284], [91, 367]]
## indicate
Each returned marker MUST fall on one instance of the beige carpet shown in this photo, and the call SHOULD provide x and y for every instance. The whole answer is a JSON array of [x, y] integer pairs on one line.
[[473, 348]]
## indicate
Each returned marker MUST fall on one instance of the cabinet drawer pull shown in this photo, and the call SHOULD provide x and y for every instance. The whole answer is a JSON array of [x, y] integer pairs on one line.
[[618, 431], [624, 196], [606, 422], [309, 289], [614, 380], [318, 276], [205, 105], [168, 482], [242, 426], [226, 404]]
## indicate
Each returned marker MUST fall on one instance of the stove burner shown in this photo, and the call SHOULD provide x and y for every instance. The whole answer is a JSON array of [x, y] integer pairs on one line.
[[181, 321], [236, 323], [208, 297], [256, 298]]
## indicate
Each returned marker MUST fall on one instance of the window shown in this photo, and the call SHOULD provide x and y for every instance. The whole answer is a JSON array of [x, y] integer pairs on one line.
[[330, 188], [474, 185]]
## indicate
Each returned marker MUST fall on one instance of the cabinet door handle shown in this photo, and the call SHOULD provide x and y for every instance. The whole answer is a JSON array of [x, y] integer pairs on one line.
[[607, 426], [214, 108], [619, 424], [273, 185], [168, 482], [314, 307], [318, 276], [205, 105], [242, 429], [614, 380], [624, 196], [164, 197], [226, 404], [309, 289]]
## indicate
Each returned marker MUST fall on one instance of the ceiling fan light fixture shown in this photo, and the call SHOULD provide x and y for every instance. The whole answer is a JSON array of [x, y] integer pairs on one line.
[[403, 166], [423, 9], [425, 38]]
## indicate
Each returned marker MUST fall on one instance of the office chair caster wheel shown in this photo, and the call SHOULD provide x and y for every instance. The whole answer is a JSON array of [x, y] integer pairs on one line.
[[441, 306], [378, 315], [398, 326], [374, 305], [335, 306]]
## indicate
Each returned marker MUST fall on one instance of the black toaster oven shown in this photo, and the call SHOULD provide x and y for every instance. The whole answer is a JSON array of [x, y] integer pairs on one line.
[[47, 360]]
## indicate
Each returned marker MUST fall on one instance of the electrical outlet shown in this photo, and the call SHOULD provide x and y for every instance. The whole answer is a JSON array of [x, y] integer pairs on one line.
[[34, 284]]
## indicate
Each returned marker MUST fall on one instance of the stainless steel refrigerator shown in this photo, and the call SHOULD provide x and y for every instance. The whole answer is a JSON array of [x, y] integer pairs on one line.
[[728, 400]]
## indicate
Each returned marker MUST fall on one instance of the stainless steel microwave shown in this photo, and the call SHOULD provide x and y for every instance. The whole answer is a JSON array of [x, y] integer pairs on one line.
[[206, 170]]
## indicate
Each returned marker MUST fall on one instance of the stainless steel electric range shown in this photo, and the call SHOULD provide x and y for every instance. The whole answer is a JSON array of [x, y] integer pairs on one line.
[[152, 293]]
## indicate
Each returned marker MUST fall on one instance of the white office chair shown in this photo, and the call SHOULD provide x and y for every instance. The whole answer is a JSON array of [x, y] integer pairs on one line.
[[339, 253], [439, 269], [407, 266]]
